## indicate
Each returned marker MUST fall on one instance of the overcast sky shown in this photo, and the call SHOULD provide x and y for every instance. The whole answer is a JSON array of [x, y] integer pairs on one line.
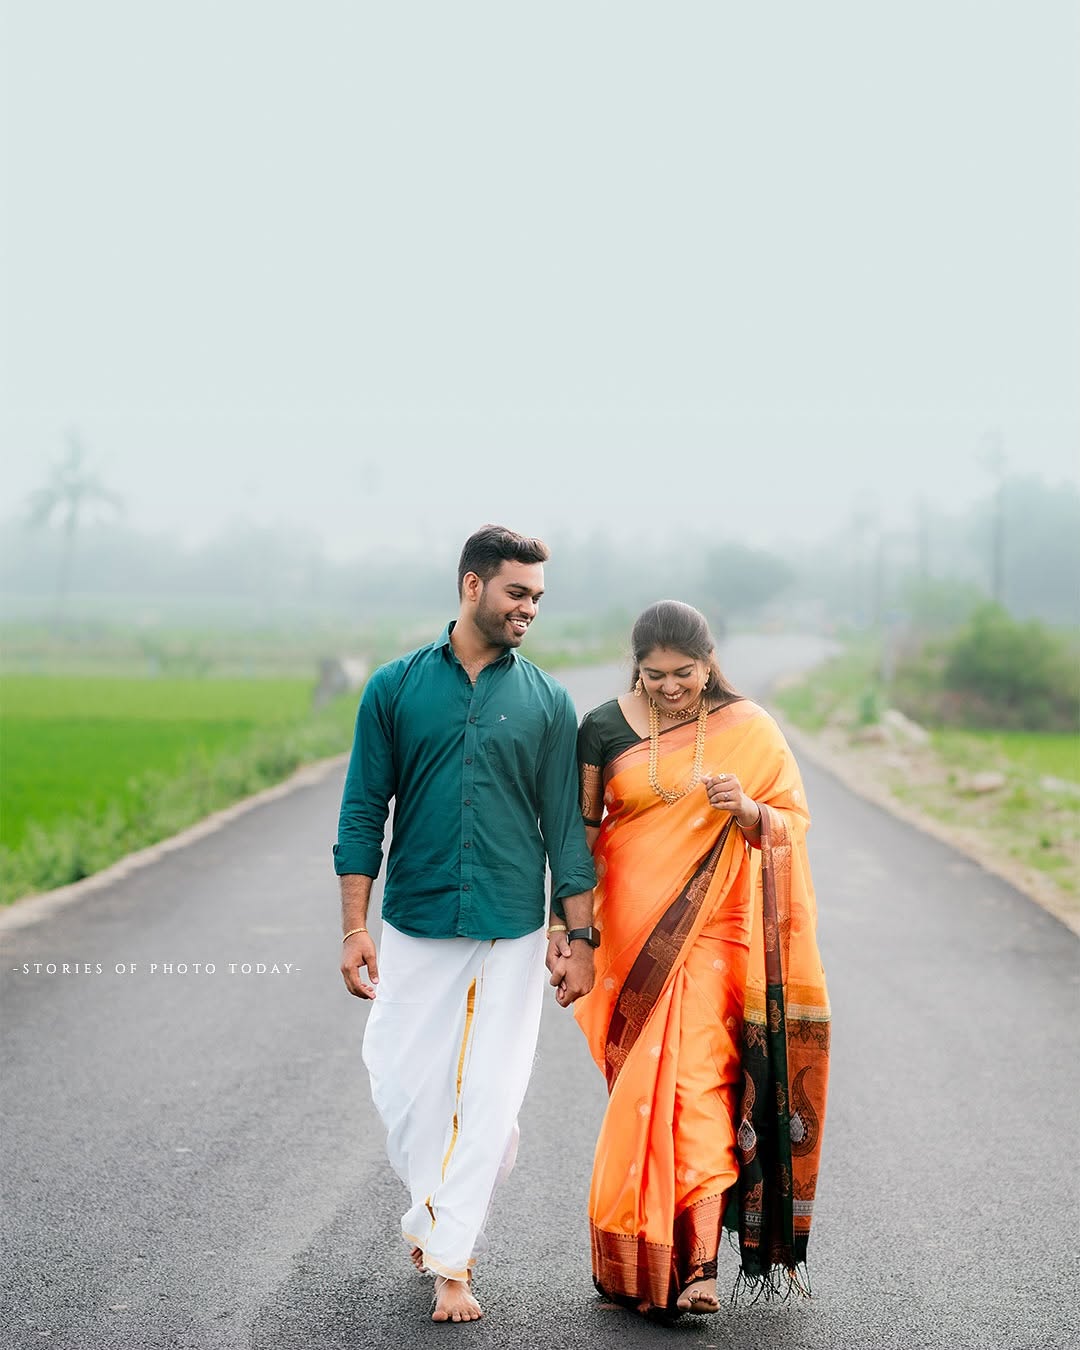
[[388, 270]]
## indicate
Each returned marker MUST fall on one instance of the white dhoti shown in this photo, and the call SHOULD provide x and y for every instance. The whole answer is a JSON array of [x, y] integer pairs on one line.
[[449, 1046]]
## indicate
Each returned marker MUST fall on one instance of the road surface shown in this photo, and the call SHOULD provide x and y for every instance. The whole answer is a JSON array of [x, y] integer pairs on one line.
[[191, 1159]]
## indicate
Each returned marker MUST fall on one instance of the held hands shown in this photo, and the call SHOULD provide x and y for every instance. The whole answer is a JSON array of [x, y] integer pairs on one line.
[[570, 963], [572, 968], [725, 794], [359, 950]]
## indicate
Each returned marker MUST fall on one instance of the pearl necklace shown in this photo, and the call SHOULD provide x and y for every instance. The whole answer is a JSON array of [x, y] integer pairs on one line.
[[654, 753]]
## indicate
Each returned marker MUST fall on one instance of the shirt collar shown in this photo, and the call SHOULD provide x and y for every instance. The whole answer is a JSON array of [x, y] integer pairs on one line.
[[443, 641]]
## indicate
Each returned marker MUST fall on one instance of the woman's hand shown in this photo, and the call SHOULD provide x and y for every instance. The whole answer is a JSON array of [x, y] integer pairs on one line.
[[578, 974], [725, 793]]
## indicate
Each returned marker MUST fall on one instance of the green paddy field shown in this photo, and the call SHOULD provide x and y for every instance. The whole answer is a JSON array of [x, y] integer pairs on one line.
[[71, 745], [97, 765]]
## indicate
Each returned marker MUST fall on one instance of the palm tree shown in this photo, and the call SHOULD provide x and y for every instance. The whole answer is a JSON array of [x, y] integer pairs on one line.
[[72, 491]]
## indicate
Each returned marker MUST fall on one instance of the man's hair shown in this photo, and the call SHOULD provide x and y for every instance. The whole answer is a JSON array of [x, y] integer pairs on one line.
[[492, 545]]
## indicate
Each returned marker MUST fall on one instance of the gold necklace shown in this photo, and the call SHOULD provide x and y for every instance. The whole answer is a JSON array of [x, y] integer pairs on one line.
[[682, 715], [654, 753]]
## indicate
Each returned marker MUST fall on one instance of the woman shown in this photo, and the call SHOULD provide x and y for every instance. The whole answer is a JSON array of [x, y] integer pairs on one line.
[[709, 1016]]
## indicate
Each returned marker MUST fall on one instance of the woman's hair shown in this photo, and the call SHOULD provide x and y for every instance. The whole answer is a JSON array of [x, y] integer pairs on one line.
[[492, 545], [681, 628]]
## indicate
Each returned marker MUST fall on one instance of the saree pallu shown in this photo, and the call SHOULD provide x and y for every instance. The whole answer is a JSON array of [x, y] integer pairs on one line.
[[709, 1019]]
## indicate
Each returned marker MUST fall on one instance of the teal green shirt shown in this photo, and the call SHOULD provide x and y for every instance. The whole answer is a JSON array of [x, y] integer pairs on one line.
[[484, 783]]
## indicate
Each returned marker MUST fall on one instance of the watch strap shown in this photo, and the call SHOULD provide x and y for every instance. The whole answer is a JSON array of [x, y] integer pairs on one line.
[[589, 935]]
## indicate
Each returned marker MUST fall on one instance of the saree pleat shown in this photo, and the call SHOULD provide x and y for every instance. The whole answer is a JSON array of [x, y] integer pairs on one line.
[[708, 1110]]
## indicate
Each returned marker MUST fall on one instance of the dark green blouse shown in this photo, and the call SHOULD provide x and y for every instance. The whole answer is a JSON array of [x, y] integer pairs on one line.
[[603, 735]]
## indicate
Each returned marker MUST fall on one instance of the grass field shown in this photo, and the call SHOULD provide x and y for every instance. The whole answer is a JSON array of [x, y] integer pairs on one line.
[[1027, 819], [76, 745], [1037, 753], [96, 767]]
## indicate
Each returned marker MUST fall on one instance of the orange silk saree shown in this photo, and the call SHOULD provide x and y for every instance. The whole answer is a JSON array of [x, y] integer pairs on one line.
[[709, 1018]]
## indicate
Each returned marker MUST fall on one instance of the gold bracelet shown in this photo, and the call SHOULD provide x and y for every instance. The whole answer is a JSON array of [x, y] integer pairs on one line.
[[556, 928], [351, 931], [756, 823]]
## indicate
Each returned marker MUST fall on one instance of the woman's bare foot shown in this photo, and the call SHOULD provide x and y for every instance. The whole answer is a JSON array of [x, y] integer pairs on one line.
[[416, 1256], [454, 1301], [699, 1296], [652, 1313]]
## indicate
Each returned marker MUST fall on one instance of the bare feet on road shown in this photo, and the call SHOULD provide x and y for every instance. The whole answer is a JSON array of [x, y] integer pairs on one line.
[[454, 1301], [699, 1296]]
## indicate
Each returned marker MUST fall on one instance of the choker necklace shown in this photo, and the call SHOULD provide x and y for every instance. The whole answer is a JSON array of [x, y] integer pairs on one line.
[[654, 753], [682, 715]]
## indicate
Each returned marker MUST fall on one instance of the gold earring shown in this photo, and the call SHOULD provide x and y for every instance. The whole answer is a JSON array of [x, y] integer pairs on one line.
[[638, 688]]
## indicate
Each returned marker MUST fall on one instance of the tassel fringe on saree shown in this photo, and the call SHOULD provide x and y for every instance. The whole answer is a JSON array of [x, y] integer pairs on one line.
[[709, 1020]]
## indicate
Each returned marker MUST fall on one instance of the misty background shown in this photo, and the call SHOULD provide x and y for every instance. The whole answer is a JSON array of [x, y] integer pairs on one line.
[[704, 294]]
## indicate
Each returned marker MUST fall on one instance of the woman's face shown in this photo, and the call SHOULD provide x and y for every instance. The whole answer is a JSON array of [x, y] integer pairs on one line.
[[673, 680]]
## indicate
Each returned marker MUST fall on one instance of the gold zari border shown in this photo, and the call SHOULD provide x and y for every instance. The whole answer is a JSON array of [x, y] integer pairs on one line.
[[629, 1266]]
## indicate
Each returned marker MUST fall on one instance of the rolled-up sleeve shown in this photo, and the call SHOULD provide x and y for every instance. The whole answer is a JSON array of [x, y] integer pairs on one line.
[[369, 784], [568, 854]]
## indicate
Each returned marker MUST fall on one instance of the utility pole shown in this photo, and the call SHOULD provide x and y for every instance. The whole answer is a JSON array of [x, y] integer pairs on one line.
[[862, 518], [879, 580], [922, 514], [993, 460]]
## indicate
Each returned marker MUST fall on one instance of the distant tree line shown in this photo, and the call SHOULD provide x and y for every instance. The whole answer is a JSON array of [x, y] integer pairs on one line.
[[1022, 541], [930, 577]]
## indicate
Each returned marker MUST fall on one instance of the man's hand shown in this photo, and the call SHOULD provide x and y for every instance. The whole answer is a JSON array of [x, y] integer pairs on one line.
[[558, 949], [558, 954], [573, 975], [359, 950]]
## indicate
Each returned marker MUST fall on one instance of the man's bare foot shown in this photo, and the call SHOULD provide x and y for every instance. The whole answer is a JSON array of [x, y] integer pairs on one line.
[[416, 1256], [454, 1301], [699, 1296]]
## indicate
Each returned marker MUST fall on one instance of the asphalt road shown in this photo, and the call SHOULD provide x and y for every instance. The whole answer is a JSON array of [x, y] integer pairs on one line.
[[190, 1158]]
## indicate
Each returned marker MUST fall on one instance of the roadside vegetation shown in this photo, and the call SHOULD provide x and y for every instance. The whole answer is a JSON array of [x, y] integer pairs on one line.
[[99, 767], [976, 731], [163, 681], [114, 739]]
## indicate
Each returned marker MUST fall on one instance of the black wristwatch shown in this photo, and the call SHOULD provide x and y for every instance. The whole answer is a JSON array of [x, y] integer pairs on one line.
[[589, 935]]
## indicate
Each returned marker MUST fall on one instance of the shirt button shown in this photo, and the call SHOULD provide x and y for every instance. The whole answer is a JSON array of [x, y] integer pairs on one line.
[[468, 801], [467, 844], [472, 719], [465, 886], [468, 759]]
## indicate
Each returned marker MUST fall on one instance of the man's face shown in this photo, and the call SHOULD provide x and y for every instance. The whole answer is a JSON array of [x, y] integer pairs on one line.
[[508, 603]]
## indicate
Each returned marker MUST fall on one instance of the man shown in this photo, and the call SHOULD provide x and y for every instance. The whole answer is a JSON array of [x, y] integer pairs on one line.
[[477, 748]]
